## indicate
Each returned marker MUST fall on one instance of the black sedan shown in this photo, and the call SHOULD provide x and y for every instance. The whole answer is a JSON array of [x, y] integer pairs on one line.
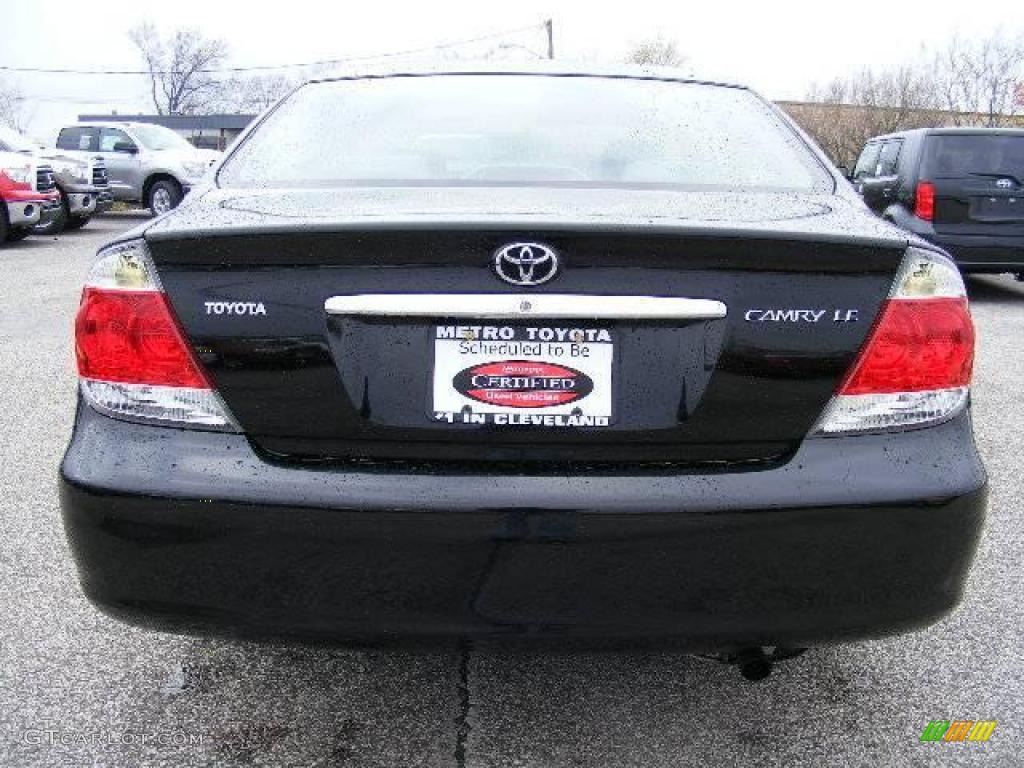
[[529, 354]]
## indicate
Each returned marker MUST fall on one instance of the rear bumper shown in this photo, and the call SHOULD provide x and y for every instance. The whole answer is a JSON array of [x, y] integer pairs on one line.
[[977, 253], [985, 254], [854, 537]]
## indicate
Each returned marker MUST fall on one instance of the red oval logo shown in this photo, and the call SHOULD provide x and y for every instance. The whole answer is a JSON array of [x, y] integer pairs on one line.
[[523, 384]]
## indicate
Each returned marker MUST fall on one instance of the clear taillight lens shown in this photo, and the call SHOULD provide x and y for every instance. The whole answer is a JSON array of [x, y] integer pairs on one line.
[[915, 368], [133, 360]]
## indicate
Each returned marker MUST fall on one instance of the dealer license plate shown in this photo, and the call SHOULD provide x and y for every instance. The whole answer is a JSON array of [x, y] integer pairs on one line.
[[540, 375]]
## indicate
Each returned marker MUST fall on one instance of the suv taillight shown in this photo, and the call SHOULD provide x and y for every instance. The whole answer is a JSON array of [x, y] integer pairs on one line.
[[133, 361], [915, 367], [924, 201]]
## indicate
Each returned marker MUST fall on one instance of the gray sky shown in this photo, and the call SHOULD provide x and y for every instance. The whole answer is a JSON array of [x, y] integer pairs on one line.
[[777, 47]]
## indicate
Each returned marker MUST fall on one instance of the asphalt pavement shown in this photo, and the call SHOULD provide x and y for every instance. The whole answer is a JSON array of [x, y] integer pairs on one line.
[[80, 689]]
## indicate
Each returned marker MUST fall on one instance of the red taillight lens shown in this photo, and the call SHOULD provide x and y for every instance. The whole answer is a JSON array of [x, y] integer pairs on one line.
[[916, 345], [132, 337], [924, 201]]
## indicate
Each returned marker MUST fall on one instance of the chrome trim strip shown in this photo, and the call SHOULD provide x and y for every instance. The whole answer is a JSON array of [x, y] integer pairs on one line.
[[505, 306]]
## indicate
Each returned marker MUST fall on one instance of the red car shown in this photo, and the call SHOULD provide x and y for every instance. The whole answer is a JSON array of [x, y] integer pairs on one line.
[[29, 195]]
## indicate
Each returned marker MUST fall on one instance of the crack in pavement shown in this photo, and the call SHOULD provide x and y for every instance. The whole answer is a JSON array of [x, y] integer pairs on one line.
[[462, 724]]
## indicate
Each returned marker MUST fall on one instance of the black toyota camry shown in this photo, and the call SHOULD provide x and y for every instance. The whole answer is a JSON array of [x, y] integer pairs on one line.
[[540, 354]]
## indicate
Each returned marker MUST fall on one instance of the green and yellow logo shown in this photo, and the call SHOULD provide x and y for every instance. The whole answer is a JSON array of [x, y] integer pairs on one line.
[[958, 730]]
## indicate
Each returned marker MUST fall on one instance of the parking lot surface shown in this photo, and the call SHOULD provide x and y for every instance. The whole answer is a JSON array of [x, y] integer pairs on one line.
[[77, 688]]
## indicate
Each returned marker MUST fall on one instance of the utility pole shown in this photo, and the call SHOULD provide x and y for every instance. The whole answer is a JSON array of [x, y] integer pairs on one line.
[[549, 26]]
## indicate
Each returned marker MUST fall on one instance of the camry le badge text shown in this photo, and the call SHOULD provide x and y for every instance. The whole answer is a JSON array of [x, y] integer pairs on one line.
[[800, 315], [235, 308]]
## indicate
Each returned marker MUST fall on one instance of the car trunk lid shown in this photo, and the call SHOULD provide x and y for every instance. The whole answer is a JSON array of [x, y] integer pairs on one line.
[[741, 385]]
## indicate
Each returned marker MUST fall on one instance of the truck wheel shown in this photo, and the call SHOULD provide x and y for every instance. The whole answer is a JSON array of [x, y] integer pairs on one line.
[[56, 226], [76, 222], [14, 235], [163, 196]]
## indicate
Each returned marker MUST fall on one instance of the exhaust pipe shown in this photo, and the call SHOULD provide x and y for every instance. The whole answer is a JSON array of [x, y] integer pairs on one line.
[[754, 664]]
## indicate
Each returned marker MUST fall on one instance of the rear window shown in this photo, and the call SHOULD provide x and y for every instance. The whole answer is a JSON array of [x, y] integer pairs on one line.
[[524, 129], [967, 155]]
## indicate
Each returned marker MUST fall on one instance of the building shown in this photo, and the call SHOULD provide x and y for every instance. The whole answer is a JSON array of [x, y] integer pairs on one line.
[[205, 131]]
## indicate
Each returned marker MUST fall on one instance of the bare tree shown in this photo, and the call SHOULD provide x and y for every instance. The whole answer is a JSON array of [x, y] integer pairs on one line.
[[180, 68], [981, 77], [963, 83], [844, 113], [11, 106], [254, 94], [657, 52]]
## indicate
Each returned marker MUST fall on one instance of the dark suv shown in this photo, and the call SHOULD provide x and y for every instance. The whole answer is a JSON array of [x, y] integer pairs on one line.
[[960, 188]]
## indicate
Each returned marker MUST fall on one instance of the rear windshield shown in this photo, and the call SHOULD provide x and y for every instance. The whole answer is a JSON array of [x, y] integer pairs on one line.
[[524, 129], [974, 155]]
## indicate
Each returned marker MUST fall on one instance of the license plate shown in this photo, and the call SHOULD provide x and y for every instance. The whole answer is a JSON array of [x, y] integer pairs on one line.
[[998, 208], [541, 376]]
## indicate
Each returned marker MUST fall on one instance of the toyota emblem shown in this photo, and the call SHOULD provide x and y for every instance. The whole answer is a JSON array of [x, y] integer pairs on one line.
[[526, 263]]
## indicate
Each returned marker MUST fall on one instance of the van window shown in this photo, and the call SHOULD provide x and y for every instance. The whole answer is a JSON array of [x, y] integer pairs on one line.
[[867, 163], [888, 158]]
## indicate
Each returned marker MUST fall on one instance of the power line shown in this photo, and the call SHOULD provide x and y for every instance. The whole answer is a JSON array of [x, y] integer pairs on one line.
[[81, 100], [271, 67]]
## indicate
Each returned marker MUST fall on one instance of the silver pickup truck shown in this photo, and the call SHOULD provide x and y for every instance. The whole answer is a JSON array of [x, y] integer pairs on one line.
[[80, 178], [147, 163]]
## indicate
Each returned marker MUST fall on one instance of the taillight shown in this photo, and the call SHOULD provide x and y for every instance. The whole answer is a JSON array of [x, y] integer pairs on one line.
[[915, 367], [133, 361], [924, 201], [916, 346], [131, 337]]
